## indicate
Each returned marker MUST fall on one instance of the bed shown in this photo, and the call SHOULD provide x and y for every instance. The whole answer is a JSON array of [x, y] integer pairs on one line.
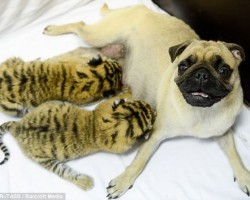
[[181, 169]]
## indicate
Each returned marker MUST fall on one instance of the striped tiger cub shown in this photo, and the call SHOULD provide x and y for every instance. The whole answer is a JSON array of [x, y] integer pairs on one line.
[[25, 85], [56, 132]]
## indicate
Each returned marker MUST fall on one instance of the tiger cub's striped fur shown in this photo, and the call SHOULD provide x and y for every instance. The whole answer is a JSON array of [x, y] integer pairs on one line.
[[56, 132], [25, 85]]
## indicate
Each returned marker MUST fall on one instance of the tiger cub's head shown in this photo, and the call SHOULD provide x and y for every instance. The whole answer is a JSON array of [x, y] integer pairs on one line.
[[125, 124], [104, 74]]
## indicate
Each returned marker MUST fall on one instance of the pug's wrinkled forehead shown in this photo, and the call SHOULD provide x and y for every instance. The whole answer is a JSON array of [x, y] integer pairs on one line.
[[208, 51]]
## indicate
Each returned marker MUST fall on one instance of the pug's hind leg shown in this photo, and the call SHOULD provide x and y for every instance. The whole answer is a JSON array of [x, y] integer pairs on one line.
[[79, 56], [63, 29], [242, 175], [92, 34], [83, 181], [113, 28], [80, 52]]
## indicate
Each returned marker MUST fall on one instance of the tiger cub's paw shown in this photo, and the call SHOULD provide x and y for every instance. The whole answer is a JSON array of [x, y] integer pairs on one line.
[[84, 182], [95, 61]]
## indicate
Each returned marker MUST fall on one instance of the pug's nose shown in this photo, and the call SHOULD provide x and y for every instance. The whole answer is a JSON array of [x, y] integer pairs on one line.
[[202, 75]]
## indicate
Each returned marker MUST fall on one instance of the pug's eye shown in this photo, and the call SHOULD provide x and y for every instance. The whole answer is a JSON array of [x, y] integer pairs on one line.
[[183, 66], [225, 71]]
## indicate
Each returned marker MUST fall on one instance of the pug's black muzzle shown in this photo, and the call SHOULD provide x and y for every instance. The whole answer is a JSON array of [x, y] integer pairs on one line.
[[201, 88]]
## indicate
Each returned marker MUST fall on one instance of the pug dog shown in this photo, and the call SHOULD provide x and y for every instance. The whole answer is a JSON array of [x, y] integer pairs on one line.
[[193, 84]]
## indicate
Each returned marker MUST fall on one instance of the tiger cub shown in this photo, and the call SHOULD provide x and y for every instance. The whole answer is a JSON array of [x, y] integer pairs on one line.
[[56, 132], [25, 85]]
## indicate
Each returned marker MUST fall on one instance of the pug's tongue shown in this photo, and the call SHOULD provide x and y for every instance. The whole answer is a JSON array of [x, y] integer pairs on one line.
[[200, 94]]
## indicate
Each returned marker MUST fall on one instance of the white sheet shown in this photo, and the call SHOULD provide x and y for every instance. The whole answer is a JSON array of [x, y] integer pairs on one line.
[[181, 169]]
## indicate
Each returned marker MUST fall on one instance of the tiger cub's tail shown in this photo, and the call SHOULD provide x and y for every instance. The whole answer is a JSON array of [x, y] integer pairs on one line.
[[4, 128]]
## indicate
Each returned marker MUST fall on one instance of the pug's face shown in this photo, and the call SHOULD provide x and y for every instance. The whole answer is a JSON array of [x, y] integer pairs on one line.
[[206, 70]]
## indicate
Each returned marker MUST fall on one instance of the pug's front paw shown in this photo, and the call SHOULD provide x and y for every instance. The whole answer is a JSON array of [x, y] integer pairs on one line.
[[243, 179], [118, 186]]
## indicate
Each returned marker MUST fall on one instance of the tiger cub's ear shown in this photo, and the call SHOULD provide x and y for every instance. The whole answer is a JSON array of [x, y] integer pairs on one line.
[[95, 61]]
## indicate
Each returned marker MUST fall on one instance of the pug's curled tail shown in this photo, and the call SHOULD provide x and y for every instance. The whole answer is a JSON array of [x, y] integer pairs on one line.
[[5, 127]]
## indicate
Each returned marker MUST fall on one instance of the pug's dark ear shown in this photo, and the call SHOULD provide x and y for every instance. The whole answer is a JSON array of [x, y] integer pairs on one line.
[[176, 50], [236, 50]]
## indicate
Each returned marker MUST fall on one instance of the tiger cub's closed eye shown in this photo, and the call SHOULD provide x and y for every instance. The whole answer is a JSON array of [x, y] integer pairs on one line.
[[117, 103]]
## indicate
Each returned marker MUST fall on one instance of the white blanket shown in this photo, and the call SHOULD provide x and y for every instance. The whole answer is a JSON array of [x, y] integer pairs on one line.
[[181, 169]]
